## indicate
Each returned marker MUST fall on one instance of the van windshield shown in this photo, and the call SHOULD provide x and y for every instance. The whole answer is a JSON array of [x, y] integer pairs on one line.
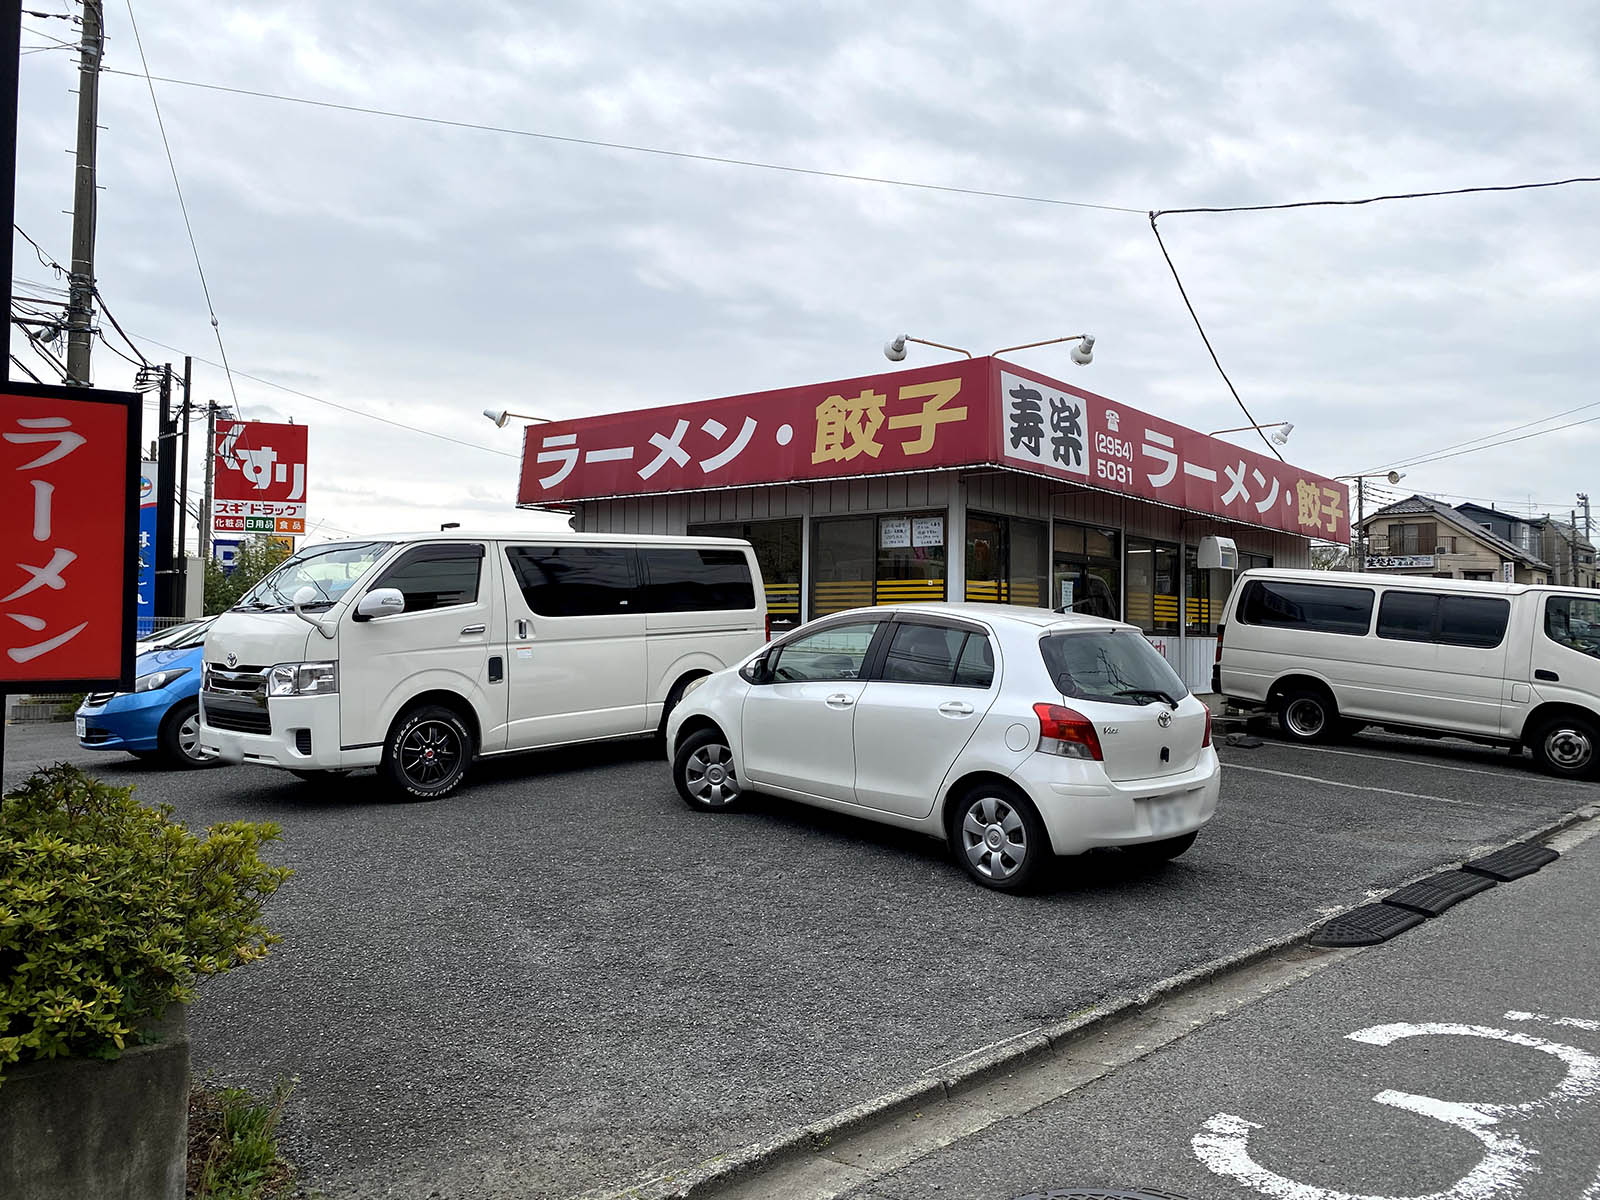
[[330, 570], [1113, 665]]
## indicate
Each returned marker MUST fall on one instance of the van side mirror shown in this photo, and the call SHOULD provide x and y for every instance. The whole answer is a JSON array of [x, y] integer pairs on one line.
[[380, 602]]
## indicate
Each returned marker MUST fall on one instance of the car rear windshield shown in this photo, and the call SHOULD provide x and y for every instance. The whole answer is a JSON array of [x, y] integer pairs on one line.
[[1116, 666]]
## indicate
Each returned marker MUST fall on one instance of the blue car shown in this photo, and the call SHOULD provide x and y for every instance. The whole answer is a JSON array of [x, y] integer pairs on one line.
[[160, 718]]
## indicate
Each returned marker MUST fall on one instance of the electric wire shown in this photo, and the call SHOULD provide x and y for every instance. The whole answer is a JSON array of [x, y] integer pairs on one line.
[[183, 207], [24, 368], [1461, 191], [1182, 291], [1485, 437], [631, 148]]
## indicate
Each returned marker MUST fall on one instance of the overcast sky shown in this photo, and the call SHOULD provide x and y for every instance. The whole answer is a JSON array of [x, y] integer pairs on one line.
[[424, 273]]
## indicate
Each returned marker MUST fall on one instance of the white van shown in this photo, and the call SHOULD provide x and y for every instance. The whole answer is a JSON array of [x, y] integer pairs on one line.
[[1332, 651], [417, 654]]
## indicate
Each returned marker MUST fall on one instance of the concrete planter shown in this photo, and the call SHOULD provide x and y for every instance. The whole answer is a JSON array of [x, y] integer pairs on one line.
[[77, 1127]]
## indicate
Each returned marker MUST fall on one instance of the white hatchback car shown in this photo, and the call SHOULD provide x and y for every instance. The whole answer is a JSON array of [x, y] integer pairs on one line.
[[1013, 733]]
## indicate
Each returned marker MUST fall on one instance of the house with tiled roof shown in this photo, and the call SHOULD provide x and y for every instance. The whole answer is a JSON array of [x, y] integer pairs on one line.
[[1422, 536]]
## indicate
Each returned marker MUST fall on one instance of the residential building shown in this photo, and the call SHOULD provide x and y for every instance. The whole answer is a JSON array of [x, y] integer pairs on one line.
[[1570, 554], [1421, 536]]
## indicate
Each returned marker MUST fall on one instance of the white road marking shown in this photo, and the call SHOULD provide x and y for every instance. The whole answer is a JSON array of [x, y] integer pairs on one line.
[[1570, 1022], [1417, 762], [1357, 787]]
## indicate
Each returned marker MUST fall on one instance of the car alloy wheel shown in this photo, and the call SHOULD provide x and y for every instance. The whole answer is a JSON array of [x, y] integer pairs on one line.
[[994, 839], [430, 753]]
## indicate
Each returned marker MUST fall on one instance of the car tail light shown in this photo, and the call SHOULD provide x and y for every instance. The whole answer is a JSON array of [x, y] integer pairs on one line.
[[769, 629], [1221, 629], [1206, 741], [1067, 732]]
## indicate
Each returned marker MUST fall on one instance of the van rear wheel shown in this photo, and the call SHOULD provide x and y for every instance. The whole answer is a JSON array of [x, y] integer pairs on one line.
[[1568, 746], [1307, 715]]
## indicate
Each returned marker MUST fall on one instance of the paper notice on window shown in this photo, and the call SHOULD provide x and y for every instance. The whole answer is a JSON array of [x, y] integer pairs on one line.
[[1066, 593], [927, 531], [894, 533]]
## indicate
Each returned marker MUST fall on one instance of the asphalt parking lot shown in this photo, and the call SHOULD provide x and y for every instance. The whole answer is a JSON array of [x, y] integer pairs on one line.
[[561, 980]]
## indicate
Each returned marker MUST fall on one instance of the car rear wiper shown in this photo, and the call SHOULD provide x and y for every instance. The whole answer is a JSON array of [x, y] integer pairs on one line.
[[1152, 692]]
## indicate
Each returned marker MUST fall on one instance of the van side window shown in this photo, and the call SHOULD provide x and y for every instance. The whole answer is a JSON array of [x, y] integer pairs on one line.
[[436, 576], [1320, 607], [574, 581], [1408, 616], [1573, 622], [695, 580], [1473, 620]]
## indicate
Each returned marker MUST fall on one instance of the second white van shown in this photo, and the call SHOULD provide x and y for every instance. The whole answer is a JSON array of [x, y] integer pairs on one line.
[[1332, 652], [417, 654]]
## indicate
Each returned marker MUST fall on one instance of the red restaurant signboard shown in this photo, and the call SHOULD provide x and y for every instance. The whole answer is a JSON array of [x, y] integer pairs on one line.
[[982, 412], [69, 553]]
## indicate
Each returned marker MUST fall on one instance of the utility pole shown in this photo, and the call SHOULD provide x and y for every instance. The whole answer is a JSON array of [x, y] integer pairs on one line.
[[166, 485], [183, 480], [205, 500], [1361, 519], [85, 201], [1583, 499]]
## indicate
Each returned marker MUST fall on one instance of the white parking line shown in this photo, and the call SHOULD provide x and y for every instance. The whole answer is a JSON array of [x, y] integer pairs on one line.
[[1395, 758], [1357, 787]]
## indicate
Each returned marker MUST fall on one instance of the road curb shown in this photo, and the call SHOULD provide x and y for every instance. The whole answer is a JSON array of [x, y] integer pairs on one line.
[[982, 1065]]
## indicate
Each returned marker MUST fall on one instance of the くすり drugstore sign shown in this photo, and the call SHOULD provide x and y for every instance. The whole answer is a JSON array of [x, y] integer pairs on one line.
[[69, 551], [972, 413]]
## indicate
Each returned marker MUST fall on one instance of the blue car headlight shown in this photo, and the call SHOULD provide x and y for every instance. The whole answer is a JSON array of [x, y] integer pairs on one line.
[[157, 680]]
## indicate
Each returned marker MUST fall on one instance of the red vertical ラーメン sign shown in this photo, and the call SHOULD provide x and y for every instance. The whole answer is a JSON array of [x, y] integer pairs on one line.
[[69, 486]]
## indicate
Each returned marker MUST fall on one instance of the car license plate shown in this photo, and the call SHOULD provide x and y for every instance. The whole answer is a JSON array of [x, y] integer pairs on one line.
[[1166, 814], [83, 728]]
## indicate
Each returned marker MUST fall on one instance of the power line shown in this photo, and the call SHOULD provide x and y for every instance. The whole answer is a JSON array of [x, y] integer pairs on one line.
[[1462, 191], [1506, 442], [1196, 317], [659, 151], [178, 187], [1496, 434], [342, 407], [25, 370]]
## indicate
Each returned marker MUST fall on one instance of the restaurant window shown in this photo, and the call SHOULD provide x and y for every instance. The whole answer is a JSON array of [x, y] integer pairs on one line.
[[1199, 613], [777, 547], [890, 559], [1086, 570], [1152, 586], [1005, 560]]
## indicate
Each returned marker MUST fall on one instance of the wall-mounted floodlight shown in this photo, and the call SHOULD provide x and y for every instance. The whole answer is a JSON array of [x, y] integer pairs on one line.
[[501, 416]]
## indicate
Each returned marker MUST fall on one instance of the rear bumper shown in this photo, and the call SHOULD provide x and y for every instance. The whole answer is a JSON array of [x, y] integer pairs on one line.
[[1083, 809], [302, 735]]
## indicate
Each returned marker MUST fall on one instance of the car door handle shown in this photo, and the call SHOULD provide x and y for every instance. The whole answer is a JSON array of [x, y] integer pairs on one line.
[[956, 708], [840, 700], [1550, 675], [522, 629], [470, 629]]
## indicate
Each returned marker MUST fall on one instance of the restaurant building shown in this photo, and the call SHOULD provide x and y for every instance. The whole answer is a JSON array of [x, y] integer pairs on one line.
[[977, 480]]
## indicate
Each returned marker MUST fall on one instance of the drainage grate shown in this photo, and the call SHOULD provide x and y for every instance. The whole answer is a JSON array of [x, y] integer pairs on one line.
[[1366, 926], [1103, 1194], [1433, 895], [1513, 862]]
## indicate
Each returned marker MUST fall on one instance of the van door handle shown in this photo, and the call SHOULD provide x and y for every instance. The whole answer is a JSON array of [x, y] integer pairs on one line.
[[840, 700], [1550, 675], [474, 629], [956, 708], [522, 629]]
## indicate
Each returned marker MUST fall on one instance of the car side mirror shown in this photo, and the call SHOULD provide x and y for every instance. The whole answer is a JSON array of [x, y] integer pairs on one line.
[[380, 602], [755, 671]]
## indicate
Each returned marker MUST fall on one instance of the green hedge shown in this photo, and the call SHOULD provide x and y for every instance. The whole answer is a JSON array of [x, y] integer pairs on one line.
[[110, 911]]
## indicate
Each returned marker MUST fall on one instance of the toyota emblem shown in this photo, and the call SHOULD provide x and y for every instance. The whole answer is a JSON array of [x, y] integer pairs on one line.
[[233, 661], [1164, 719]]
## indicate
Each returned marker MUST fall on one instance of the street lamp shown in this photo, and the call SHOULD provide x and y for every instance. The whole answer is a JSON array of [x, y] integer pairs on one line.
[[1082, 354], [1361, 508], [1284, 428], [501, 416]]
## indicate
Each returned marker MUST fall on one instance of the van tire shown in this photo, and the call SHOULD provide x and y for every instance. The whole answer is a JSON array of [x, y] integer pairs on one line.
[[1308, 715], [703, 772], [1567, 745], [427, 753]]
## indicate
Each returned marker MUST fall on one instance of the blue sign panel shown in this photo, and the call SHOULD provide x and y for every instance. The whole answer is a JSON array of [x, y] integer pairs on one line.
[[145, 618], [226, 552]]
